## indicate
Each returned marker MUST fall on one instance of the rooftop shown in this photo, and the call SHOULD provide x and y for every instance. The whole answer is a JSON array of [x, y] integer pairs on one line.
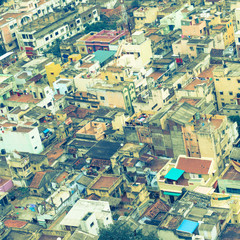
[[105, 182], [232, 231], [174, 174], [231, 174], [23, 98], [103, 149], [37, 179], [194, 165], [188, 226]]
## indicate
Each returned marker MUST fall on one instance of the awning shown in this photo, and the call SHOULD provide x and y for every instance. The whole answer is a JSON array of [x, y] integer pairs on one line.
[[172, 193], [174, 174]]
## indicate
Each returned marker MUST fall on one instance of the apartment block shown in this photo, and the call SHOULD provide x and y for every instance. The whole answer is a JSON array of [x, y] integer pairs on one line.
[[41, 34]]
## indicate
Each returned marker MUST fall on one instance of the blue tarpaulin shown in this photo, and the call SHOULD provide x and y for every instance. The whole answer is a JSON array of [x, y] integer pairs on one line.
[[46, 131], [188, 226], [174, 174]]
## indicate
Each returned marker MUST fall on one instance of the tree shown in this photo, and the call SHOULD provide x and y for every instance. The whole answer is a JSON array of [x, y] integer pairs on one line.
[[122, 231], [135, 4], [55, 49]]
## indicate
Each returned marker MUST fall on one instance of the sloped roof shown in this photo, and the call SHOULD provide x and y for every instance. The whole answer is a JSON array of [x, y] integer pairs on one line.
[[183, 114], [194, 165]]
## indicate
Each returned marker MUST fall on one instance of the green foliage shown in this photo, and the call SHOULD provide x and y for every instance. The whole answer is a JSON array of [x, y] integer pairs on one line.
[[135, 4], [55, 49], [122, 231], [98, 26]]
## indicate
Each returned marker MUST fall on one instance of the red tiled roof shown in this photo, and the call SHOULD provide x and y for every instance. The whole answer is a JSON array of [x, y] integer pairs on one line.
[[14, 223], [104, 182], [23, 98], [194, 165], [93, 197], [61, 177], [37, 179], [156, 208]]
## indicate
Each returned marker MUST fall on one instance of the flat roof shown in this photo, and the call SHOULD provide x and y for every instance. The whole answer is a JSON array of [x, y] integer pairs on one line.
[[103, 149], [174, 174]]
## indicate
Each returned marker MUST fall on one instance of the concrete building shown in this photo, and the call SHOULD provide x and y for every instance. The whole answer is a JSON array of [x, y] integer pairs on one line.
[[88, 215], [227, 84], [193, 26], [63, 86], [144, 15], [107, 186], [39, 35], [237, 42], [22, 138], [104, 40]]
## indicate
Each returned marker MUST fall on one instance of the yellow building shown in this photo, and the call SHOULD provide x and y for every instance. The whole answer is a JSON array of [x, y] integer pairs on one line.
[[114, 74], [119, 95], [107, 186], [227, 84], [136, 195], [74, 57], [227, 30], [144, 15], [52, 70]]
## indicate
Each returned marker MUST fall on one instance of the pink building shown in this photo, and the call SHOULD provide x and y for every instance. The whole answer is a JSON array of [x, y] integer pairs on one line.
[[5, 185], [193, 27], [99, 41]]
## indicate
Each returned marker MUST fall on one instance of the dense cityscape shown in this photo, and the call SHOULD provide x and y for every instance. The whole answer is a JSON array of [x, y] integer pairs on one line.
[[119, 120]]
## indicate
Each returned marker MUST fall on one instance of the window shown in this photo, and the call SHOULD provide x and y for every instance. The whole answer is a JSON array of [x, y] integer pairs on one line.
[[47, 38], [102, 98], [217, 79], [230, 93], [62, 30], [221, 93], [116, 77], [12, 26], [106, 77], [14, 35], [49, 104], [238, 81], [191, 48], [90, 15], [23, 36], [30, 37], [78, 21], [233, 190], [122, 79], [56, 33], [91, 225], [228, 79], [35, 147], [32, 137]]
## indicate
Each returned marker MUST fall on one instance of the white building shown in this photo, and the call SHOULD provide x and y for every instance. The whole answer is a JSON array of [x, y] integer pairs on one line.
[[88, 215], [63, 86], [21, 138], [237, 41], [40, 34]]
